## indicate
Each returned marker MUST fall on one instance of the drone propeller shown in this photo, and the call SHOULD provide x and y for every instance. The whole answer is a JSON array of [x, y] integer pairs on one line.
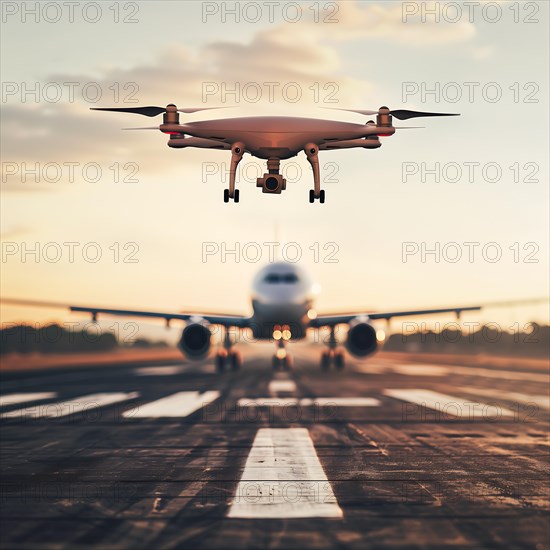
[[153, 110], [401, 114], [170, 113], [404, 114]]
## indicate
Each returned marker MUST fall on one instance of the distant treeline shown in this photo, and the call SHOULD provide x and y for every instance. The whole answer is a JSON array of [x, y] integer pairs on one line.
[[54, 338], [532, 340]]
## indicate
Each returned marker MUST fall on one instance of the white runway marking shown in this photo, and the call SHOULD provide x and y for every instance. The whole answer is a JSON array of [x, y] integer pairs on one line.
[[449, 405], [308, 402], [179, 404], [340, 401], [283, 478], [16, 398], [501, 374], [414, 369], [421, 370], [278, 386], [76, 405], [167, 370], [542, 401], [268, 402], [373, 368]]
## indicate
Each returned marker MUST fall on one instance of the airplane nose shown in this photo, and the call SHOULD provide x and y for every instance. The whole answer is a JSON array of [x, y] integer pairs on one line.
[[279, 295]]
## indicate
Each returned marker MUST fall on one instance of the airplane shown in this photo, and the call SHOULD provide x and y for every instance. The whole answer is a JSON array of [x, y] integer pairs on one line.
[[273, 138], [283, 298]]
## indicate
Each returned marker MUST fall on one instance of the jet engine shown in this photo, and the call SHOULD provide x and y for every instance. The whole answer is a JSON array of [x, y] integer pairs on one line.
[[195, 340], [361, 340]]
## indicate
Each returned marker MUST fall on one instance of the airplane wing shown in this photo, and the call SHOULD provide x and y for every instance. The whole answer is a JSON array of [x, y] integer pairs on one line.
[[338, 319], [215, 319]]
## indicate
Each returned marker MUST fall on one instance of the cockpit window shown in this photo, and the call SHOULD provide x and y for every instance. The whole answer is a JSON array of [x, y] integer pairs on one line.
[[272, 278], [277, 278]]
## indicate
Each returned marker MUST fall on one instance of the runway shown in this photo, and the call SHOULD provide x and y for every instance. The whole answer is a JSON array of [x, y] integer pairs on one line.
[[386, 454]]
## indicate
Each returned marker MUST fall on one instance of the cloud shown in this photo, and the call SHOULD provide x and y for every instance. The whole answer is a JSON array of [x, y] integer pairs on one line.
[[301, 54], [60, 132], [357, 20]]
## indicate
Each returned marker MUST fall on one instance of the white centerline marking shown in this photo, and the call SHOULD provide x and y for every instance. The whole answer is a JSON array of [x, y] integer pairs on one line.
[[340, 401], [449, 405], [283, 478], [268, 402], [278, 386], [179, 404], [76, 405], [421, 370], [167, 370], [308, 402], [16, 398]]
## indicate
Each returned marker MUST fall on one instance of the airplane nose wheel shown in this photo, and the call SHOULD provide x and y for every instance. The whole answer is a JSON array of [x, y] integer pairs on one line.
[[321, 196], [286, 363], [226, 195]]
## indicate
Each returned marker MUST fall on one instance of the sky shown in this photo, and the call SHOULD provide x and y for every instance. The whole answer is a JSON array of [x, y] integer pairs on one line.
[[119, 219]]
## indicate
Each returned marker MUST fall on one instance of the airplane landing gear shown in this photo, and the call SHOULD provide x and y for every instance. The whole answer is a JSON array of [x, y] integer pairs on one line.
[[226, 356], [231, 359], [282, 360], [333, 356], [221, 357], [339, 360], [286, 363], [235, 360]]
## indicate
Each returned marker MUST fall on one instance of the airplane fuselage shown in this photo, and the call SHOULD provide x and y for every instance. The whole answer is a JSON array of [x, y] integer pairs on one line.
[[282, 296]]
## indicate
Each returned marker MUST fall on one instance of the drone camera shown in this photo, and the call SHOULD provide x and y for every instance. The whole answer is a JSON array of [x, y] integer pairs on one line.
[[272, 183]]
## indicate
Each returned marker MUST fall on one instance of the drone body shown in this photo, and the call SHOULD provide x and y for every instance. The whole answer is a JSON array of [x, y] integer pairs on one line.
[[273, 139]]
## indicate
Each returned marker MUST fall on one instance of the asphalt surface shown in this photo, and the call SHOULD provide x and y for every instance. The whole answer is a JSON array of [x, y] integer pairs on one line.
[[177, 456]]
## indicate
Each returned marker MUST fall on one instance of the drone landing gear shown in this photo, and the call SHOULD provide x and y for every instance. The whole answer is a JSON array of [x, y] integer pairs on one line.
[[312, 152], [321, 196], [227, 196], [237, 152]]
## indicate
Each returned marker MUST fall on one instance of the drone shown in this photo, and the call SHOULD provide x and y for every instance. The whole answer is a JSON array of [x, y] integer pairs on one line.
[[273, 138]]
